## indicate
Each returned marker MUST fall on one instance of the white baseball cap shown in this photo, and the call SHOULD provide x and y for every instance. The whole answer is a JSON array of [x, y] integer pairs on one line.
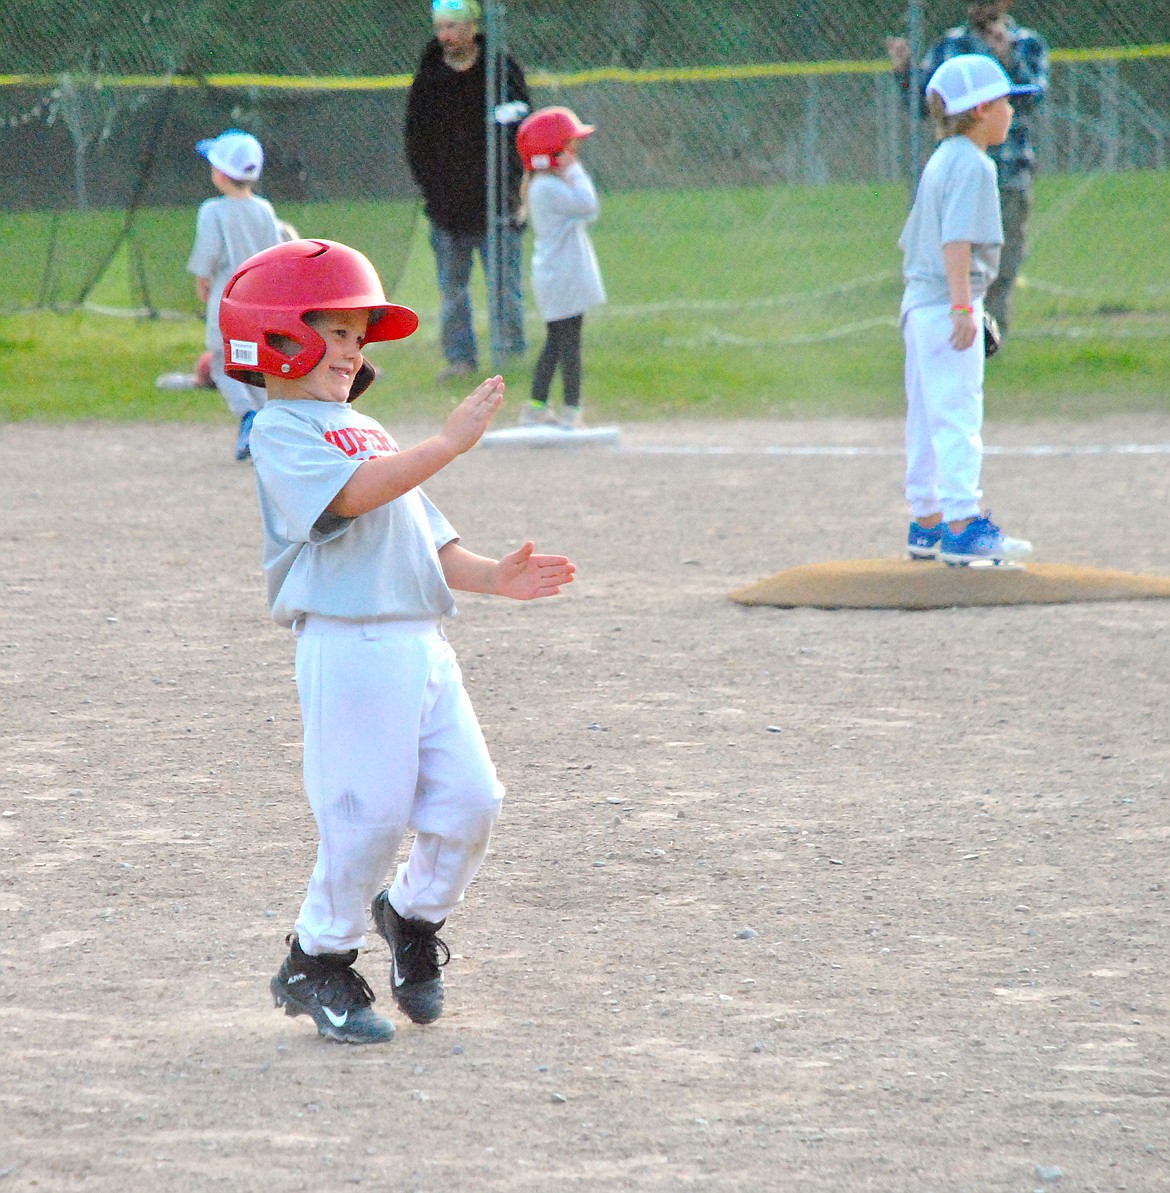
[[237, 154], [967, 80]]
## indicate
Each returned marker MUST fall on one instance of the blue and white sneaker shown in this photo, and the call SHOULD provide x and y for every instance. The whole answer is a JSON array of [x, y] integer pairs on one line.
[[922, 541], [981, 542], [243, 451]]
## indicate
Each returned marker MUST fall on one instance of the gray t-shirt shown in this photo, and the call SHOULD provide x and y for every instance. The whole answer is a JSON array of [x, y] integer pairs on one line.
[[227, 233], [381, 565], [957, 199], [566, 279]]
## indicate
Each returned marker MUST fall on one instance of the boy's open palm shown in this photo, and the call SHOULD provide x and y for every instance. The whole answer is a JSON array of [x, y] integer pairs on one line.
[[525, 576], [468, 421]]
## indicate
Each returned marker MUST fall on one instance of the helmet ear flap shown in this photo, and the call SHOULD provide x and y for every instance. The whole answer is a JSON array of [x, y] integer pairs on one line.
[[362, 381], [294, 351]]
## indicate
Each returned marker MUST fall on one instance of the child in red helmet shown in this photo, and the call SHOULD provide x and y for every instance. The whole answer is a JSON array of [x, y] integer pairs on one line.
[[560, 200], [361, 566]]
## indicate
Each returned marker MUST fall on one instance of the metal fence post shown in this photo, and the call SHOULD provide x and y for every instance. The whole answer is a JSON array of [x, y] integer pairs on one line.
[[496, 181], [915, 23]]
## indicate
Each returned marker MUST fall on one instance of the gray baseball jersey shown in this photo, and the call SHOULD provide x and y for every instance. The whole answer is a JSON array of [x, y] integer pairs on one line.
[[227, 233], [566, 279], [382, 565], [957, 199]]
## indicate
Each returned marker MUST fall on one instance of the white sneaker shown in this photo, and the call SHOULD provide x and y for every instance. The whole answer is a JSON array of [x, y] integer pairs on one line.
[[572, 419], [534, 415]]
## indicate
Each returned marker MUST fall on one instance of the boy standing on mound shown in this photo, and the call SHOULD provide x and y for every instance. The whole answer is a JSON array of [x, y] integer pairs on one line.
[[361, 566], [951, 245]]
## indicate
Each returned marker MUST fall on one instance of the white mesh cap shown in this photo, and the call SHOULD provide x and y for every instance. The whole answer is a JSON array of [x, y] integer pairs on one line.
[[967, 80], [238, 154]]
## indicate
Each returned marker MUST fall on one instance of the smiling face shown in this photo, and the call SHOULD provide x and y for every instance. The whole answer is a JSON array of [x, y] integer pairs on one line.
[[344, 333]]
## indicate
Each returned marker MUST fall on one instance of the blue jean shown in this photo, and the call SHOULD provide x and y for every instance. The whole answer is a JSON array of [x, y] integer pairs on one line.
[[454, 254]]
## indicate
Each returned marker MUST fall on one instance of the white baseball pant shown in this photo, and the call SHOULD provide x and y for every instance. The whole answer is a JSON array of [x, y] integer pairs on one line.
[[391, 743], [944, 415]]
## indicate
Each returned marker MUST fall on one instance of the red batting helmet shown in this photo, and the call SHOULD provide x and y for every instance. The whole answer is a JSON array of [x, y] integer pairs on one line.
[[270, 294], [545, 133]]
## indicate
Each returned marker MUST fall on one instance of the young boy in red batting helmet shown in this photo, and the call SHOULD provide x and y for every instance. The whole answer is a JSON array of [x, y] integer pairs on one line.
[[361, 566]]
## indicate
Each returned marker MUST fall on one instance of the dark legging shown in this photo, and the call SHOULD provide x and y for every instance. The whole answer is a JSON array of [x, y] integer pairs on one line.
[[562, 347]]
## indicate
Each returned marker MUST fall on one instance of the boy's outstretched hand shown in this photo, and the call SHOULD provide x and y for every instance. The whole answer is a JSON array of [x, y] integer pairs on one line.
[[468, 421], [524, 576]]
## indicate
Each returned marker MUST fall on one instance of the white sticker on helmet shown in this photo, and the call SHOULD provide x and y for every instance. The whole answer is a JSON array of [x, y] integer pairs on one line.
[[245, 352]]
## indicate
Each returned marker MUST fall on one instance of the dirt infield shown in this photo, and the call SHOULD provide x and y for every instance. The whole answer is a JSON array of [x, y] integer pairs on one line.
[[780, 900]]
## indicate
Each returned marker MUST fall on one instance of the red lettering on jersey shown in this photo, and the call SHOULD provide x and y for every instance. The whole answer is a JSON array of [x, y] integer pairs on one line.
[[342, 439], [355, 440]]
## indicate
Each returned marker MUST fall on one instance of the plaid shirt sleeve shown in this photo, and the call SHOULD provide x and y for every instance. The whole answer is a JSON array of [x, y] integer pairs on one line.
[[1016, 157]]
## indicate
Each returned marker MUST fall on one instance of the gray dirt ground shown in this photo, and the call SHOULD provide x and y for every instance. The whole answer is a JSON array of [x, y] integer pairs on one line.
[[947, 832]]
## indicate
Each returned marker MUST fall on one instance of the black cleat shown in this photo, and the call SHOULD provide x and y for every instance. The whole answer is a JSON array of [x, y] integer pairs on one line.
[[414, 966], [330, 990]]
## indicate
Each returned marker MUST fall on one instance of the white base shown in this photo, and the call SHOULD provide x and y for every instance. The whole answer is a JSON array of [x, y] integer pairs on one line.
[[177, 381], [1003, 565], [549, 436]]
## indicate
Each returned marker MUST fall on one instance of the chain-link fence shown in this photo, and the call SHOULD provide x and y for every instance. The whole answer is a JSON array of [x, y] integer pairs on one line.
[[707, 111]]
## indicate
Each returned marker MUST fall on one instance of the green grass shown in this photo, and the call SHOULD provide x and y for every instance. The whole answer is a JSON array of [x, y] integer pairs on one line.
[[761, 302]]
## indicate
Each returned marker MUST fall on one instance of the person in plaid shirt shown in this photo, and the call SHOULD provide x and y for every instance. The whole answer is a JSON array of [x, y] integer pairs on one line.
[[1023, 54]]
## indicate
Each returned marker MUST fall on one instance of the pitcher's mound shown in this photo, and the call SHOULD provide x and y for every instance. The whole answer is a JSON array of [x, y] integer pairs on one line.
[[911, 584]]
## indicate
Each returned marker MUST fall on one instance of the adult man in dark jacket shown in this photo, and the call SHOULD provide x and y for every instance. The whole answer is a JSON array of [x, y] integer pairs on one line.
[[446, 147]]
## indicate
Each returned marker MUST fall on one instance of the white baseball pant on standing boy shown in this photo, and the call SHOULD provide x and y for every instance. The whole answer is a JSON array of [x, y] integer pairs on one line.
[[944, 415]]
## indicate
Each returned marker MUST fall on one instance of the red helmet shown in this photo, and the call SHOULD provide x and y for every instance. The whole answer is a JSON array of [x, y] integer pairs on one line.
[[270, 294], [545, 133]]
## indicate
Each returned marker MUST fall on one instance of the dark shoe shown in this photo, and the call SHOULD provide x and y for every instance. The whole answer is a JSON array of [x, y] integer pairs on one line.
[[330, 990], [243, 451], [414, 967]]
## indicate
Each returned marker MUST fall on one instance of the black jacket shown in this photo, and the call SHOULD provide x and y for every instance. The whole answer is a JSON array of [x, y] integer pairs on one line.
[[446, 138]]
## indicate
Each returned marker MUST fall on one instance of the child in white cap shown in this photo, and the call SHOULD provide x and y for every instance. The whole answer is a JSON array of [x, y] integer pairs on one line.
[[229, 230], [951, 245]]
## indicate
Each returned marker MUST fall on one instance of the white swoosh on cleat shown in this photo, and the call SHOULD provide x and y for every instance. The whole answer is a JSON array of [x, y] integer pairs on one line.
[[336, 1020]]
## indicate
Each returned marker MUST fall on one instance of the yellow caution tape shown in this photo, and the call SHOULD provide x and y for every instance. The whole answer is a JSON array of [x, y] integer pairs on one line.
[[580, 78]]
